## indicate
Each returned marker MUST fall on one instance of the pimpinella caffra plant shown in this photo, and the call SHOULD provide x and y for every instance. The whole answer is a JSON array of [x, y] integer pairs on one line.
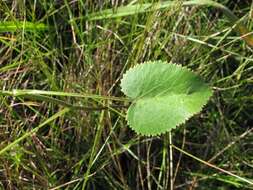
[[163, 96]]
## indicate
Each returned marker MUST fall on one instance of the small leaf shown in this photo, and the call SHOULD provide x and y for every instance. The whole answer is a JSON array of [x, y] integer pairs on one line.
[[164, 96]]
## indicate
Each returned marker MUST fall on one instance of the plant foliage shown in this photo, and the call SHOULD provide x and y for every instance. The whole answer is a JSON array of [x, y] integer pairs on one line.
[[164, 96]]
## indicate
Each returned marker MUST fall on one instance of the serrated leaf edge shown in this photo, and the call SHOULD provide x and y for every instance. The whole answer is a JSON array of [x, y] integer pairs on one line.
[[169, 129], [182, 123]]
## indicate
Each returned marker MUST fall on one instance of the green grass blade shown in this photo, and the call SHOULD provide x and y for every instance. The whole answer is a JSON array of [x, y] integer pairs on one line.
[[52, 118], [10, 26], [129, 10], [147, 7], [249, 181]]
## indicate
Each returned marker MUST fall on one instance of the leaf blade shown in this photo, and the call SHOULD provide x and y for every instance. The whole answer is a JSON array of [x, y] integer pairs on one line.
[[165, 96]]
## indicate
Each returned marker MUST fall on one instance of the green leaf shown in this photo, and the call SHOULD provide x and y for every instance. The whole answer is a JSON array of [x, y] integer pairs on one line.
[[164, 96]]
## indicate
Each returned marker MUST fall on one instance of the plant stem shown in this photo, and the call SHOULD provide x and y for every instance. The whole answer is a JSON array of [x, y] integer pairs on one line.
[[171, 161], [29, 93]]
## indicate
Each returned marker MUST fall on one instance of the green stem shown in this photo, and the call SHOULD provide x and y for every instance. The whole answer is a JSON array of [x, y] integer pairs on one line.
[[39, 93]]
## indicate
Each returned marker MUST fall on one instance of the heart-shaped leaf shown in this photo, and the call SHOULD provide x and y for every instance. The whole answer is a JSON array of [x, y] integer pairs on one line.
[[164, 96]]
